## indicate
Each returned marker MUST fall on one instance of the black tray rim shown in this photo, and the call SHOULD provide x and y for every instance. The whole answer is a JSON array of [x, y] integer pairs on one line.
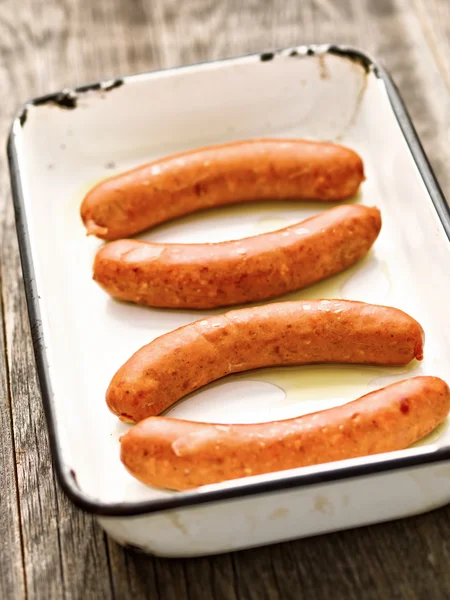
[[66, 477]]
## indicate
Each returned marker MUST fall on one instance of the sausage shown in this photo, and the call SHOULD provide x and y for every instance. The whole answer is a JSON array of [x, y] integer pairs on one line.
[[177, 454], [260, 169], [284, 333], [200, 276]]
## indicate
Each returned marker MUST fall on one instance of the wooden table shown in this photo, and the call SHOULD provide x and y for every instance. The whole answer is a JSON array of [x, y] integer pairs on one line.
[[48, 548]]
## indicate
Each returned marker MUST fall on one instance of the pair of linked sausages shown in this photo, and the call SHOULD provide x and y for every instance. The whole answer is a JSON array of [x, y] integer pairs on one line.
[[178, 454]]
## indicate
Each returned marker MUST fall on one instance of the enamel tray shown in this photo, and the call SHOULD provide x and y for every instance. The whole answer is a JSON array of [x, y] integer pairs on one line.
[[62, 144]]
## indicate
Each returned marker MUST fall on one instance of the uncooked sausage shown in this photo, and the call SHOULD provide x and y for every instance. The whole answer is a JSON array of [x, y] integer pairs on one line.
[[177, 454], [200, 276], [249, 170], [284, 333]]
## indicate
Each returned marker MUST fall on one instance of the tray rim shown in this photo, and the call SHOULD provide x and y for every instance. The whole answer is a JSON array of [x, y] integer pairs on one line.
[[280, 481]]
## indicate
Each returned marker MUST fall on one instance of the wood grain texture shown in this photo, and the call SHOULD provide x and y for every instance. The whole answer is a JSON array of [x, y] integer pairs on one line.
[[35, 478], [63, 551], [45, 46], [434, 17], [11, 566]]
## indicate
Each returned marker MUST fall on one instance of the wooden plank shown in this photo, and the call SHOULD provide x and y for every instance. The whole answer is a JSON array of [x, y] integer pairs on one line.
[[217, 574], [84, 554], [394, 560], [35, 478], [138, 576], [64, 551], [434, 16], [11, 565]]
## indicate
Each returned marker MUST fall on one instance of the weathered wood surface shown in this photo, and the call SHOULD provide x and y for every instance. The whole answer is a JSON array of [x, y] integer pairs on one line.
[[50, 549]]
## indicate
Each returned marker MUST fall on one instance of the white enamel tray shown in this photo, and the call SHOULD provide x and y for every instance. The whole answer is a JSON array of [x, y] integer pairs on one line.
[[62, 144]]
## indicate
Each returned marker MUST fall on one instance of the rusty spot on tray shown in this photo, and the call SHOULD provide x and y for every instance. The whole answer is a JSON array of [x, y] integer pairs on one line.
[[279, 513], [322, 505], [354, 56], [323, 69]]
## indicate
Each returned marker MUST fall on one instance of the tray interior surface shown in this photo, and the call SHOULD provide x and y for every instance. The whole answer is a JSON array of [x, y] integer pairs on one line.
[[64, 151]]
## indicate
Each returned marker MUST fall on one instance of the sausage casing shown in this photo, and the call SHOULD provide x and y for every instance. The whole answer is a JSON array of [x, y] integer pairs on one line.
[[201, 276], [284, 333], [260, 169], [177, 454]]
